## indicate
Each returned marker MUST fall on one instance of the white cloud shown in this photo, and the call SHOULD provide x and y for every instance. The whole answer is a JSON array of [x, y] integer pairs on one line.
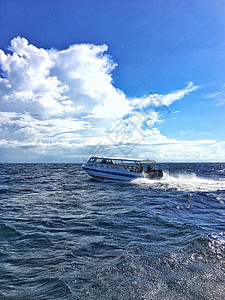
[[18, 130], [218, 97], [62, 103], [164, 100], [52, 82]]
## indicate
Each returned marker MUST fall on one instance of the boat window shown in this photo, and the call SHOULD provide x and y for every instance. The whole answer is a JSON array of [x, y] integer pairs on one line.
[[131, 168], [92, 159], [99, 160]]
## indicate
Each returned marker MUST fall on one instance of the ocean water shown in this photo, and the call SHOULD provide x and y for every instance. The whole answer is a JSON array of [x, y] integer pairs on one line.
[[65, 236]]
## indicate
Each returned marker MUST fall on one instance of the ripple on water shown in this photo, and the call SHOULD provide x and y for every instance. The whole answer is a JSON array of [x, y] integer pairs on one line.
[[64, 236]]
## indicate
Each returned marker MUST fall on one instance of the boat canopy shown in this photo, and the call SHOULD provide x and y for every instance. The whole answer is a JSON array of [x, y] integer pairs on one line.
[[122, 159]]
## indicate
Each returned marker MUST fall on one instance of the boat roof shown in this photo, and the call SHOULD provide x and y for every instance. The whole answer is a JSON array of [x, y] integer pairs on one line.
[[127, 159]]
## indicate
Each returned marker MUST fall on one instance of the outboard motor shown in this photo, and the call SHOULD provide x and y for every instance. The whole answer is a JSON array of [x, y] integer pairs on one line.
[[154, 174], [160, 173]]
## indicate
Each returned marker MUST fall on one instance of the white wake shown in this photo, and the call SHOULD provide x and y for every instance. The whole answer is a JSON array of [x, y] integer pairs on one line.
[[183, 182]]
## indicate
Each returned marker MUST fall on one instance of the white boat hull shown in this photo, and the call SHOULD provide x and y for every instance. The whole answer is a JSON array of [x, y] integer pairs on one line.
[[110, 172]]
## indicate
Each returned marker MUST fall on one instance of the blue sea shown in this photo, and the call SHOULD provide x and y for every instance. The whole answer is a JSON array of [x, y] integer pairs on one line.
[[66, 236]]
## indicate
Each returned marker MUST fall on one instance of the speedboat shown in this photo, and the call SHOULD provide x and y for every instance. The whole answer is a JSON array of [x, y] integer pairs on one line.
[[125, 169]]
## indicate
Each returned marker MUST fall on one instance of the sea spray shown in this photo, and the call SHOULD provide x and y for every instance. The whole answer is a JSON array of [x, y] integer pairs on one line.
[[184, 182]]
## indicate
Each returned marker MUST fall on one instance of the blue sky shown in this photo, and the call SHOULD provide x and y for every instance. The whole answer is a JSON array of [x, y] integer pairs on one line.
[[128, 78]]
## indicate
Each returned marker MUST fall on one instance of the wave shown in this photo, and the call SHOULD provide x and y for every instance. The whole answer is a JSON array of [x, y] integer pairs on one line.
[[183, 182]]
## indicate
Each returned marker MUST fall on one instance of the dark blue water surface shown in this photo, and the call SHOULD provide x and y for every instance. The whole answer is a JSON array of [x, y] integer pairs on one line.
[[65, 236]]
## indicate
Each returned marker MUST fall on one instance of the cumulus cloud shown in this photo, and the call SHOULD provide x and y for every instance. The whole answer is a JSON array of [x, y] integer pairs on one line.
[[63, 103]]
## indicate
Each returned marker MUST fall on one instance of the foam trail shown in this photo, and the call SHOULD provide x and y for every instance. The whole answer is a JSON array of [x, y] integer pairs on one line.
[[183, 182]]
